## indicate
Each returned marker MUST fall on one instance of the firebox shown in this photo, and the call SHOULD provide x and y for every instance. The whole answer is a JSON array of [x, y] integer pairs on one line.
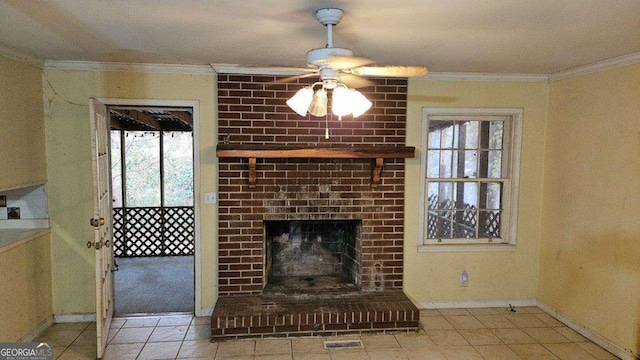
[[307, 256]]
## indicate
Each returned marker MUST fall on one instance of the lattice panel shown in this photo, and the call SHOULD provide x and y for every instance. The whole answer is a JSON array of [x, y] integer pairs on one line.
[[118, 232], [178, 231], [464, 222], [433, 201], [144, 231], [154, 231], [439, 225], [469, 217], [466, 225], [432, 227], [491, 226]]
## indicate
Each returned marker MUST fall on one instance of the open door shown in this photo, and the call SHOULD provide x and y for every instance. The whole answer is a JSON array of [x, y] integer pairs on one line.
[[102, 221]]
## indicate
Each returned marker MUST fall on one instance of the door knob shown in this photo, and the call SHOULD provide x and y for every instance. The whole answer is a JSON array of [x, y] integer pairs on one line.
[[96, 222]]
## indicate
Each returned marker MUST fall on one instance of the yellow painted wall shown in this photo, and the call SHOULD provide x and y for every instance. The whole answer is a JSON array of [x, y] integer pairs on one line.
[[67, 96], [590, 257], [22, 150], [25, 288], [434, 277]]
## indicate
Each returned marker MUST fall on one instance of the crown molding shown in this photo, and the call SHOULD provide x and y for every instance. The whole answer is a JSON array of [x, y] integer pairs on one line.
[[596, 67], [451, 76], [131, 67], [290, 71], [258, 70], [21, 56]]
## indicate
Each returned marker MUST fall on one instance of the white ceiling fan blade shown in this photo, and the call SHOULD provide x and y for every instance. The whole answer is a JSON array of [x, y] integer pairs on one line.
[[390, 71], [293, 78], [355, 81], [347, 62]]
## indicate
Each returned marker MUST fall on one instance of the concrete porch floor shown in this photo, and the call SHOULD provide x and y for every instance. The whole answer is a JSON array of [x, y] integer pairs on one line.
[[152, 285]]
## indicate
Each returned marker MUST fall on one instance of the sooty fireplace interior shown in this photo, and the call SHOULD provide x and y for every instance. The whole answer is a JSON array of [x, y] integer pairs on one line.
[[312, 255]]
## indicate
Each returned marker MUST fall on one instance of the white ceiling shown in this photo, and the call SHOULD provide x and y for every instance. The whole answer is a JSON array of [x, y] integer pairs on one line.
[[476, 36]]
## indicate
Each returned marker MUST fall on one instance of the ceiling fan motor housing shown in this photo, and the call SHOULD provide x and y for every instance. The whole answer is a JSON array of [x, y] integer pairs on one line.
[[320, 57]]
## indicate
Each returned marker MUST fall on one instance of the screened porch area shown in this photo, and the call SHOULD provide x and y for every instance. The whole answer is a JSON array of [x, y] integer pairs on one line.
[[153, 209]]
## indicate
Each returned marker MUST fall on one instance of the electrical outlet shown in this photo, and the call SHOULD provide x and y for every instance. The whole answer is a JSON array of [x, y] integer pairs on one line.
[[210, 198], [464, 278]]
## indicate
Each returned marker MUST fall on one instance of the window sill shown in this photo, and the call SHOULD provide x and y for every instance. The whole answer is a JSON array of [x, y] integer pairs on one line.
[[466, 248]]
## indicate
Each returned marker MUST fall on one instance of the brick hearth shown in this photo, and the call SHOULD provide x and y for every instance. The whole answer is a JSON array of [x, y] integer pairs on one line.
[[257, 316], [252, 110]]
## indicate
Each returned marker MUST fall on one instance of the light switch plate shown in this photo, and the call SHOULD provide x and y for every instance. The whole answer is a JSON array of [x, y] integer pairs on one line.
[[210, 198]]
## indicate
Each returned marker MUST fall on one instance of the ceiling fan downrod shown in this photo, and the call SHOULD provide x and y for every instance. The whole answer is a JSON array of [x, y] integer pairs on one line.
[[329, 17], [320, 57]]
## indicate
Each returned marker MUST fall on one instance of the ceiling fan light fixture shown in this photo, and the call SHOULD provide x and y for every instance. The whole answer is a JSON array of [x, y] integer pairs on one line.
[[301, 101], [341, 101], [318, 105], [359, 103], [344, 101]]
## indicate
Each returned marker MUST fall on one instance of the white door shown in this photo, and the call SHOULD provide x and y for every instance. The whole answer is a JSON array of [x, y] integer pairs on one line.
[[102, 221]]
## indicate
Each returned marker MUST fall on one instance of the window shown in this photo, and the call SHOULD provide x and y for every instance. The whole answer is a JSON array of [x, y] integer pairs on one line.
[[469, 178]]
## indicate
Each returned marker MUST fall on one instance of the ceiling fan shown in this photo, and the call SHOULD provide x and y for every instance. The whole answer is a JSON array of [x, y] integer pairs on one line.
[[341, 72], [334, 64]]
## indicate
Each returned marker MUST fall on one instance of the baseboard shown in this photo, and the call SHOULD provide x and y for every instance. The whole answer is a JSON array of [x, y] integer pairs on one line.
[[477, 303], [92, 317], [67, 318], [588, 333], [576, 326], [205, 312], [38, 330]]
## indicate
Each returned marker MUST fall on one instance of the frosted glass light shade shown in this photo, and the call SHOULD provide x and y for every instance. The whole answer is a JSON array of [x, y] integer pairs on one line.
[[301, 100], [341, 101], [344, 101], [318, 105], [359, 103]]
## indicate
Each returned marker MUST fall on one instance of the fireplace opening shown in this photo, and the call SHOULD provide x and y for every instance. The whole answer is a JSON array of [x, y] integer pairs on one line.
[[309, 256]]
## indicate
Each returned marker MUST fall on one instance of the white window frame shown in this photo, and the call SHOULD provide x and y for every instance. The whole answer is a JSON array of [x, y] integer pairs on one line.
[[512, 145]]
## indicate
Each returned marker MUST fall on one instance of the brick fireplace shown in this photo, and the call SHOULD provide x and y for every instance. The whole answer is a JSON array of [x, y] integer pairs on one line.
[[252, 110]]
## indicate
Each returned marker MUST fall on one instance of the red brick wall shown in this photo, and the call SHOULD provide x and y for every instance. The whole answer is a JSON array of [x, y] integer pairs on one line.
[[252, 111]]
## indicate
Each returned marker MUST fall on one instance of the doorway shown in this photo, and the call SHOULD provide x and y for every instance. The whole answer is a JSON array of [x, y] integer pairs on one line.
[[154, 214]]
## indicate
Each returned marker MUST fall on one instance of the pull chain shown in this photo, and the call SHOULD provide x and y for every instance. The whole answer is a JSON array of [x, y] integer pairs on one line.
[[326, 128]]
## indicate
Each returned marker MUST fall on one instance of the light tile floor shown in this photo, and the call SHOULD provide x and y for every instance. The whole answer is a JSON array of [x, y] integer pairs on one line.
[[460, 334]]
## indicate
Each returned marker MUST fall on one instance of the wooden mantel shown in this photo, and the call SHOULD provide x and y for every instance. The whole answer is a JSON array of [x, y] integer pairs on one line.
[[254, 151]]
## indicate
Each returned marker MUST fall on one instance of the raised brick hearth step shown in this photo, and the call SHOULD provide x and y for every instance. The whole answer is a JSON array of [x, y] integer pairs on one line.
[[290, 315]]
